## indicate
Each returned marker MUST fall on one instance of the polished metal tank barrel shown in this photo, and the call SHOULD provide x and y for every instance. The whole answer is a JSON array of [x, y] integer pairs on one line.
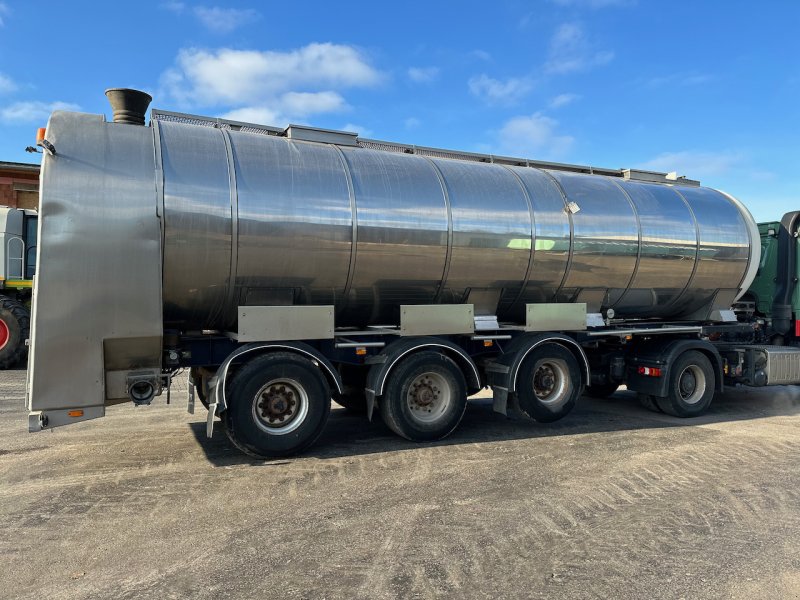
[[257, 218]]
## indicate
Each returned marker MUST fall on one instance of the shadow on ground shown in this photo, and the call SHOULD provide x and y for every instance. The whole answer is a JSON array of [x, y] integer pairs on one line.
[[348, 434]]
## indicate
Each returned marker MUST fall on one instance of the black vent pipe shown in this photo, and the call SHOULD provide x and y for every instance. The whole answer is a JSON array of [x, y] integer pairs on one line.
[[786, 273], [128, 105]]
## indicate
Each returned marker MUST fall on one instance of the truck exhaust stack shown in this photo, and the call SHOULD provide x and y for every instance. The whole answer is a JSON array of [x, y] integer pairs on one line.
[[128, 105]]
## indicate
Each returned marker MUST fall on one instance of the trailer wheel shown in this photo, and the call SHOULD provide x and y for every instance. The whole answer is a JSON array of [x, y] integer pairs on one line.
[[14, 330], [602, 390], [278, 405], [549, 383], [426, 397], [691, 386]]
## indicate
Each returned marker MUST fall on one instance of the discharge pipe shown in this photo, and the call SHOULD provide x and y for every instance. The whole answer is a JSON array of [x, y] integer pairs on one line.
[[128, 105]]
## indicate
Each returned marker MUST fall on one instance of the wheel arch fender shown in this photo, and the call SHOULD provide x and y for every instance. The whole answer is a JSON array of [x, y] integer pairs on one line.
[[383, 364], [502, 373], [219, 383], [664, 356], [522, 346]]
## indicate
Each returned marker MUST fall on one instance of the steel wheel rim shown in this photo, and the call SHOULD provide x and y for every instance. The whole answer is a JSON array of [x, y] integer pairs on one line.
[[429, 396], [551, 381], [5, 334], [692, 384], [280, 406]]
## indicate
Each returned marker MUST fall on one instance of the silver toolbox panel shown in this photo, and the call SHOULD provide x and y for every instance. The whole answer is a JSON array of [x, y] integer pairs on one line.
[[281, 323], [437, 319], [555, 317]]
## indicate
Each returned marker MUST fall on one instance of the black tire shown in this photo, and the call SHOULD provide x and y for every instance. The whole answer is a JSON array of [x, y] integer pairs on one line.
[[649, 402], [601, 390], [690, 387], [548, 383], [426, 396], [15, 323], [278, 405]]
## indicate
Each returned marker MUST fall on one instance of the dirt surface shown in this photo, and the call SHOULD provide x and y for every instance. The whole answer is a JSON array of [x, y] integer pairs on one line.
[[612, 502]]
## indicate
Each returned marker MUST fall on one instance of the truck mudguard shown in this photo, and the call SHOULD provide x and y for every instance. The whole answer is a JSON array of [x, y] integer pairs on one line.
[[651, 353]]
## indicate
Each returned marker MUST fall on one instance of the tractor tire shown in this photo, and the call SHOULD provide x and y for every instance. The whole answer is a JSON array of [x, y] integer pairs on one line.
[[15, 326]]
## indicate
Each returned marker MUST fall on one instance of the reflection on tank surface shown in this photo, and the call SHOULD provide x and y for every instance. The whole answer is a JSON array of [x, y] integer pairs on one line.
[[258, 219]]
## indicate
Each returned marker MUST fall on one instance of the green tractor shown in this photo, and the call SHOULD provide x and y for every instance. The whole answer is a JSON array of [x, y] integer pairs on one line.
[[17, 268]]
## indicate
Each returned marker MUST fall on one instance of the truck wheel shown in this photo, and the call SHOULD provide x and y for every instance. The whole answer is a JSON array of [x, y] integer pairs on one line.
[[426, 397], [14, 330], [549, 383], [691, 386], [602, 390], [278, 405]]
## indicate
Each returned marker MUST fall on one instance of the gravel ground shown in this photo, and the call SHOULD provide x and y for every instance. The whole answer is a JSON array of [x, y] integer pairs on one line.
[[611, 502]]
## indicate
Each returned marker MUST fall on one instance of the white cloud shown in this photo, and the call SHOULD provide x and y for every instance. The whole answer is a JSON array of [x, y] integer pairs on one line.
[[362, 131], [4, 12], [7, 84], [695, 164], [214, 18], [176, 7], [32, 111], [224, 20], [594, 3], [256, 114], [494, 91], [309, 103], [423, 74], [678, 79], [289, 107], [533, 136], [571, 51], [244, 77], [412, 123], [563, 100]]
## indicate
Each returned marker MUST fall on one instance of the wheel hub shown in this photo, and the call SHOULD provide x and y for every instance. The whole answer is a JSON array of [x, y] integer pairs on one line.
[[5, 334], [277, 404], [428, 397], [688, 384], [425, 393], [544, 381]]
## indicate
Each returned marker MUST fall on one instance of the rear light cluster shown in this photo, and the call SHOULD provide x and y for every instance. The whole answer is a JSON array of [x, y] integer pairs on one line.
[[650, 371]]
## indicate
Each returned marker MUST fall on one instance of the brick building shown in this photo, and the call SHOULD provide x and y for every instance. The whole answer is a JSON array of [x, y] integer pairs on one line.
[[19, 185]]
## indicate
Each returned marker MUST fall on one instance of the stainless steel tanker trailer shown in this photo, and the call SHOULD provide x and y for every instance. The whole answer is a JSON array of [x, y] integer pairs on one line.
[[286, 267]]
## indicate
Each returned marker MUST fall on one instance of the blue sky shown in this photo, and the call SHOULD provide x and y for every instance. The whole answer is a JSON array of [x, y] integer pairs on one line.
[[709, 89]]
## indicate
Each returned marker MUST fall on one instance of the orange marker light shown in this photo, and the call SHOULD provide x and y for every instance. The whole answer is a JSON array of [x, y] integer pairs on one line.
[[75, 413], [40, 134], [361, 351], [488, 343]]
